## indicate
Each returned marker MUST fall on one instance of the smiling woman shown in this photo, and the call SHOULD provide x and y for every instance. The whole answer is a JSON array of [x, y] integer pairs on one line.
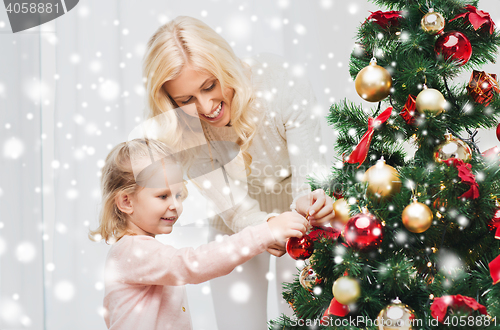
[[266, 111], [204, 90]]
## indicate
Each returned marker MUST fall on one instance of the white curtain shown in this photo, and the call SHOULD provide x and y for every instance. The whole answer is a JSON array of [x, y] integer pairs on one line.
[[72, 89]]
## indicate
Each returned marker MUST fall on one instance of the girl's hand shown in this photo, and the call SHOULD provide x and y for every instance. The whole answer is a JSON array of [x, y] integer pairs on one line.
[[318, 206], [277, 249], [286, 225]]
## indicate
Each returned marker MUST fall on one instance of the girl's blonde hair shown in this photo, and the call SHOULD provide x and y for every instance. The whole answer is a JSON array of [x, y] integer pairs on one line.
[[117, 178], [186, 40]]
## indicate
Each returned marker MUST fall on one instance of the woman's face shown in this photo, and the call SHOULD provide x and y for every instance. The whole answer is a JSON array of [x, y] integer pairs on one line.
[[201, 89]]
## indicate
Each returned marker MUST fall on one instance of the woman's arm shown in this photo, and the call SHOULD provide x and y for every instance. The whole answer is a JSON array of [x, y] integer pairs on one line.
[[304, 141]]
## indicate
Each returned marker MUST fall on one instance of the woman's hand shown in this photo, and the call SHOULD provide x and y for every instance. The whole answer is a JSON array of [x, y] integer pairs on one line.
[[317, 206]]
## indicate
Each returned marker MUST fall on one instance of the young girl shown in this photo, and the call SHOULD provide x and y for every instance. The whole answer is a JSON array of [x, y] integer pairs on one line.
[[269, 113], [142, 192]]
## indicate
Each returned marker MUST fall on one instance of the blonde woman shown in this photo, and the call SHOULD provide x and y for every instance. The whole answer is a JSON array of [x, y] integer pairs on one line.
[[268, 114]]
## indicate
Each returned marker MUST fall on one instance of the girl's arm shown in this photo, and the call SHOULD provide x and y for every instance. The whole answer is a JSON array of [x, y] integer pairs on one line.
[[143, 260]]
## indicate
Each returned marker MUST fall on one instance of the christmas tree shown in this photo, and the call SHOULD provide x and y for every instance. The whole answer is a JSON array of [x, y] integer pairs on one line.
[[414, 242]]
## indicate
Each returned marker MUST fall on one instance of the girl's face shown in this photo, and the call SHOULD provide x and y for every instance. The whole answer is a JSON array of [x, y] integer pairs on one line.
[[201, 89], [156, 208]]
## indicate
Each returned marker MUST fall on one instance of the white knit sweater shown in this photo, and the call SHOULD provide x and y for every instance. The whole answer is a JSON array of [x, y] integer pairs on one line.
[[284, 151]]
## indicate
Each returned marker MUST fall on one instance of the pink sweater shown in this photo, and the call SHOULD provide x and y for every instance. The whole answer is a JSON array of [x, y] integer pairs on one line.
[[145, 278]]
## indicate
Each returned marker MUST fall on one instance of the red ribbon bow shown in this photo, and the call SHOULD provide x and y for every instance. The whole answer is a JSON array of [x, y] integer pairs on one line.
[[439, 307], [495, 264], [385, 18], [465, 173], [358, 155], [477, 18], [495, 269], [336, 309]]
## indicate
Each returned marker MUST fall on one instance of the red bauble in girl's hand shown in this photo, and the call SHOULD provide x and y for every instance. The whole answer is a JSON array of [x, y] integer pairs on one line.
[[454, 45], [498, 132], [300, 248]]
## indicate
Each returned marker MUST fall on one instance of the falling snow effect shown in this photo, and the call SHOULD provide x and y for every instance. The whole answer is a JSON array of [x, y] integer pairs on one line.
[[11, 312], [36, 90], [2, 91], [3, 246], [109, 90], [13, 148], [26, 252], [240, 292], [64, 291], [86, 135]]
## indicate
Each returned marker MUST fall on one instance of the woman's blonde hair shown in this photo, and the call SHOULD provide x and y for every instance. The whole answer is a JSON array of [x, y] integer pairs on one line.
[[118, 178], [186, 40]]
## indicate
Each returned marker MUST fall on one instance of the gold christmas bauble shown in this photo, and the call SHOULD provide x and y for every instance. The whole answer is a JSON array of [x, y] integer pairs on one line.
[[396, 316], [373, 83], [308, 278], [346, 290], [383, 180], [431, 100], [341, 209], [452, 148], [432, 22], [417, 217]]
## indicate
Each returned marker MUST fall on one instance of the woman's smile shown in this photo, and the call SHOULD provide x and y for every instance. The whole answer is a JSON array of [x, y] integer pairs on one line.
[[202, 89]]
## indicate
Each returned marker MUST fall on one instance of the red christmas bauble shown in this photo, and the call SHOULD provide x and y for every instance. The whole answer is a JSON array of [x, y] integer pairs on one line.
[[498, 132], [454, 45], [495, 221], [300, 248], [363, 232]]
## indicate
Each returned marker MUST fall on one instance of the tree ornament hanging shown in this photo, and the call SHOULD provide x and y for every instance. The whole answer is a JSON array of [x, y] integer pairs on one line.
[[363, 232], [341, 209], [495, 220], [300, 248], [408, 111], [396, 316], [308, 278], [498, 132], [482, 87], [452, 148], [430, 99], [383, 180], [346, 290], [433, 22], [454, 45], [440, 203], [417, 217], [373, 83]]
